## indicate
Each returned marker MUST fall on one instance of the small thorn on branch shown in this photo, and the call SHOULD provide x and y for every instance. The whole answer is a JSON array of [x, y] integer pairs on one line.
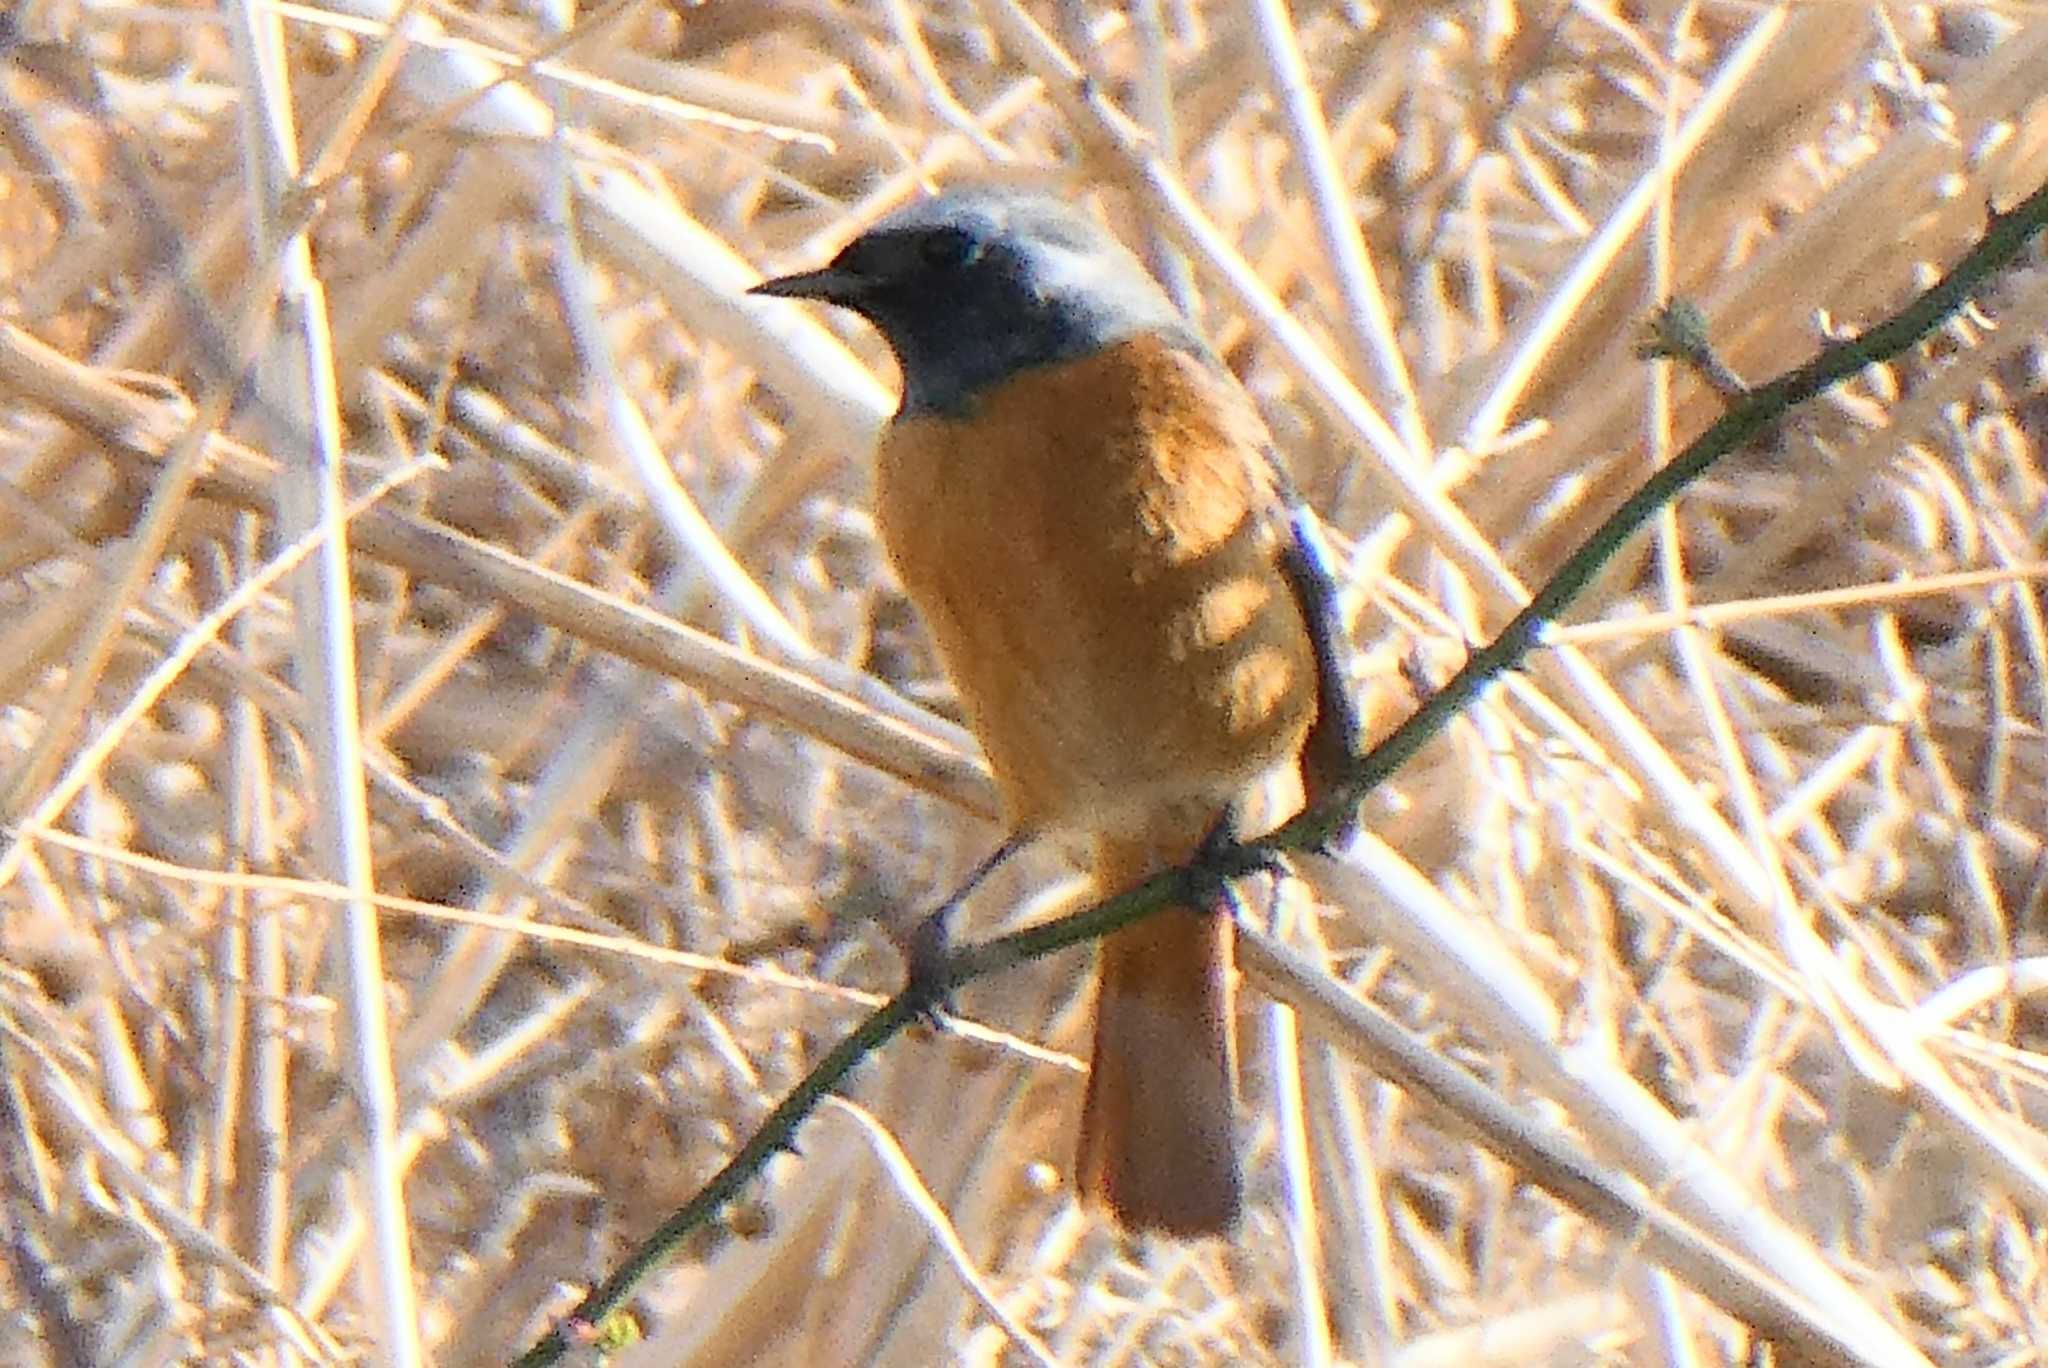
[[1678, 332]]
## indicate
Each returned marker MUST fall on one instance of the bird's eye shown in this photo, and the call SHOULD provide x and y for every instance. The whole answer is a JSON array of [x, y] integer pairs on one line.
[[947, 248]]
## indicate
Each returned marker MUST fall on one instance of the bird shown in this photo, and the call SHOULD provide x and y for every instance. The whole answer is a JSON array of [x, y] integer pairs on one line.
[[1086, 510]]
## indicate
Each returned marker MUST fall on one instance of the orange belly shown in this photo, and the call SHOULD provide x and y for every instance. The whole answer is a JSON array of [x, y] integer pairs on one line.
[[1092, 553]]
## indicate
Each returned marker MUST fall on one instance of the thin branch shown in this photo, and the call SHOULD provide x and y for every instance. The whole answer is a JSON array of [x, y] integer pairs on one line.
[[2005, 237]]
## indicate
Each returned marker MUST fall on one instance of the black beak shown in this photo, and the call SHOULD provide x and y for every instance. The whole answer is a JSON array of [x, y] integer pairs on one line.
[[832, 285]]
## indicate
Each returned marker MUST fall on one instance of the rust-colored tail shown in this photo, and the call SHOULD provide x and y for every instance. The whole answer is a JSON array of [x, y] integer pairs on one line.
[[1157, 1136]]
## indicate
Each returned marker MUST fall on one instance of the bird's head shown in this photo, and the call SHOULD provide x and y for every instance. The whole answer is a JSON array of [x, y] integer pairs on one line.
[[973, 286]]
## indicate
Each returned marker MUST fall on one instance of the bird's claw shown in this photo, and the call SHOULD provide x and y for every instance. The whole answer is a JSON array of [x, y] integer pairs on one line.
[[927, 953]]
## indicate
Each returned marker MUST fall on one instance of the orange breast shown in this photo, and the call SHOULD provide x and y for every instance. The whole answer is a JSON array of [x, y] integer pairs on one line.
[[1093, 553]]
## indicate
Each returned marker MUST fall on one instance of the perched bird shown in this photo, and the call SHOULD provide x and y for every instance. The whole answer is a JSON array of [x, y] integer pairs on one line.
[[1085, 509]]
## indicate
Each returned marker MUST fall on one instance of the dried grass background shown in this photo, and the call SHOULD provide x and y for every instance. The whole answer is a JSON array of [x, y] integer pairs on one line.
[[585, 890]]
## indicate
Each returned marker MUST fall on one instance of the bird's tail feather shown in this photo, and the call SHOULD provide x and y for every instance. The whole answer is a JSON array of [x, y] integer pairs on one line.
[[1157, 1138]]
